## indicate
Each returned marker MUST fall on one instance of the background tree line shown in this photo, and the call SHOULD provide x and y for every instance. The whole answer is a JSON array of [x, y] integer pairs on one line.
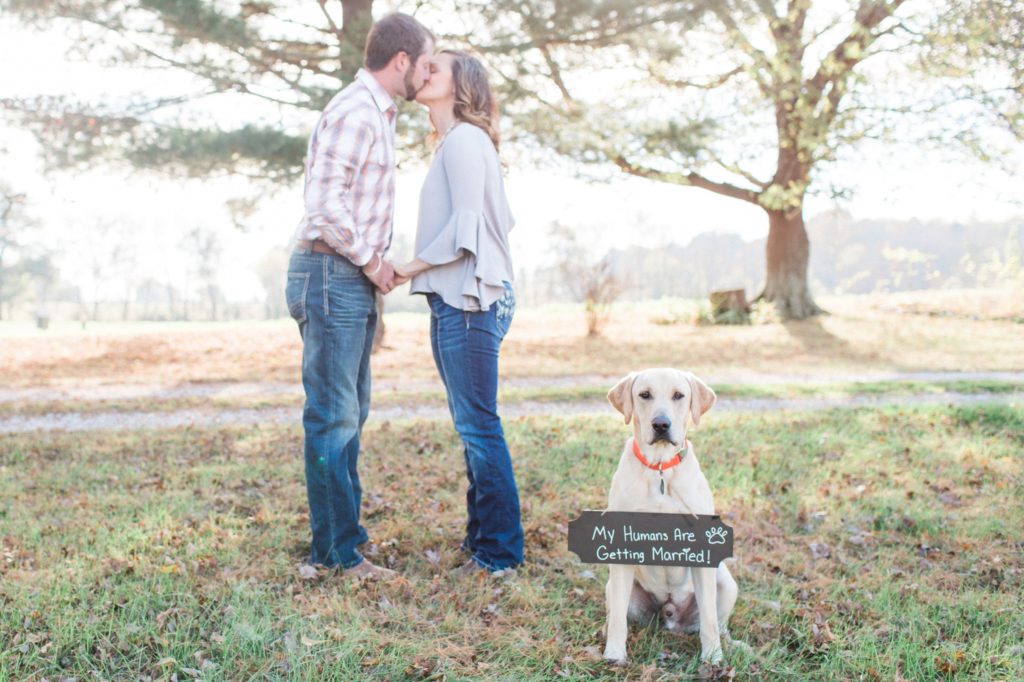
[[853, 257]]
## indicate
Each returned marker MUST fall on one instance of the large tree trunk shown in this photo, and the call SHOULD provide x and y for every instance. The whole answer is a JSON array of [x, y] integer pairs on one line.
[[788, 253], [357, 18]]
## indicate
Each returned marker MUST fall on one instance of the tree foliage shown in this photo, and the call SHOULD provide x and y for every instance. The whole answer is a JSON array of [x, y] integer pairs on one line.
[[749, 99], [978, 47], [267, 58]]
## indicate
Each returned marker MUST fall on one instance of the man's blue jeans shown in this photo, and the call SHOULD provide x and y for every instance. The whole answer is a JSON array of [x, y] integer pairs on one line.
[[333, 303], [465, 346]]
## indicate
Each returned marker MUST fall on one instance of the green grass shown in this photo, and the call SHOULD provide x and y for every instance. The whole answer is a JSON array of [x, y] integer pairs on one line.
[[507, 396], [177, 552]]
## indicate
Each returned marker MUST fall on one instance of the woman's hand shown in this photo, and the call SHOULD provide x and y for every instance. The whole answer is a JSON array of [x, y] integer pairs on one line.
[[408, 270]]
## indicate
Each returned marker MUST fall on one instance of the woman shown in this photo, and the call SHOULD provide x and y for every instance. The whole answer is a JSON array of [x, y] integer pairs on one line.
[[464, 268]]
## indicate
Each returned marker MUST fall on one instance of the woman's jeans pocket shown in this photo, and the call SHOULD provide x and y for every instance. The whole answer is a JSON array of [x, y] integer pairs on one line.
[[295, 292], [504, 310]]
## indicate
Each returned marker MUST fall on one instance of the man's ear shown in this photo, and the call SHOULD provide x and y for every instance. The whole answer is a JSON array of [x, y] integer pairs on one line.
[[400, 61], [621, 396], [701, 397]]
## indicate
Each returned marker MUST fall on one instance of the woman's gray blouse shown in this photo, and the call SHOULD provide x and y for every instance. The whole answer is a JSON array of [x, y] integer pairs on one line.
[[464, 223]]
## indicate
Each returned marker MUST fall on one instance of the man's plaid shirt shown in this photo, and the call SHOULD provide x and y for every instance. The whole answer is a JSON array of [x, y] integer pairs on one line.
[[350, 172]]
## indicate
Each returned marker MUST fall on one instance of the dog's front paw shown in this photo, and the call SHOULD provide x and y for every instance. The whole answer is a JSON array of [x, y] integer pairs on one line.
[[736, 643], [615, 655], [712, 656]]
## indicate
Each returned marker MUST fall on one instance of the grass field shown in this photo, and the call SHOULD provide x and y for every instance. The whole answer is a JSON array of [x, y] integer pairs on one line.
[[871, 544], [926, 331]]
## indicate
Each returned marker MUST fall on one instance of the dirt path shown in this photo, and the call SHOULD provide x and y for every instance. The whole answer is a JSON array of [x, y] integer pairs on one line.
[[96, 392], [201, 418]]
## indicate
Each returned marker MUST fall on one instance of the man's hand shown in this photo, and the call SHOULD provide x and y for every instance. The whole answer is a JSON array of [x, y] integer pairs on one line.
[[383, 276]]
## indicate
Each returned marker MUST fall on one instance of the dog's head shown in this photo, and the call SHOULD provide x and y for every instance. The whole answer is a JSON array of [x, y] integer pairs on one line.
[[658, 403]]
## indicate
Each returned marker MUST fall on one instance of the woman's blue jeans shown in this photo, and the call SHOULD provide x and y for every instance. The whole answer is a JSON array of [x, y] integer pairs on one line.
[[465, 346], [333, 304]]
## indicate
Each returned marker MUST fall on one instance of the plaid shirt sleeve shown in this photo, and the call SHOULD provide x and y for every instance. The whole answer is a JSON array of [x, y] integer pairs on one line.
[[344, 143]]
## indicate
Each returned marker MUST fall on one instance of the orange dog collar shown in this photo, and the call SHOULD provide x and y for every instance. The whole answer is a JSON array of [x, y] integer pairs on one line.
[[661, 466]]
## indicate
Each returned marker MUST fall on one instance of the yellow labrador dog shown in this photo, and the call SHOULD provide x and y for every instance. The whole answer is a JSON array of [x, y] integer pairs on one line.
[[661, 474]]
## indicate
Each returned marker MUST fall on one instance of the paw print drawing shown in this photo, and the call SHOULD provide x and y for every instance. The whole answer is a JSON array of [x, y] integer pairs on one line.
[[716, 536]]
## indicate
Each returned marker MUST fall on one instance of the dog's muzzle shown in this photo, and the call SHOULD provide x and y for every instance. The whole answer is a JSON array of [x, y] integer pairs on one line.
[[662, 429]]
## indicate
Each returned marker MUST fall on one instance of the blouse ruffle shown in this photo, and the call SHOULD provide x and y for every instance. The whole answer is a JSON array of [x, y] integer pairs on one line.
[[468, 235]]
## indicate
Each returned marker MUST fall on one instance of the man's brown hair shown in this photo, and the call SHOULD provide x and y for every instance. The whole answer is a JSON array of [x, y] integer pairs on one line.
[[393, 34]]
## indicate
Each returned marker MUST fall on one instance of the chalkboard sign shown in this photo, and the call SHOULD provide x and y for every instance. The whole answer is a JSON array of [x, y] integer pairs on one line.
[[648, 539]]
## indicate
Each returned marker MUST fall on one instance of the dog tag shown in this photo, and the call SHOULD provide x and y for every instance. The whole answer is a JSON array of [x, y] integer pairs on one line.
[[662, 484], [639, 538]]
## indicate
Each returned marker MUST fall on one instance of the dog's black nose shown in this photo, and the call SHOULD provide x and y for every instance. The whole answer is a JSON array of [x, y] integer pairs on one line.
[[661, 425]]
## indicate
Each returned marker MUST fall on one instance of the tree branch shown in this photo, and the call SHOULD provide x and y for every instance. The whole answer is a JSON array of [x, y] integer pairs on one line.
[[556, 74], [330, 20], [761, 60], [690, 179], [732, 168], [717, 82], [850, 50]]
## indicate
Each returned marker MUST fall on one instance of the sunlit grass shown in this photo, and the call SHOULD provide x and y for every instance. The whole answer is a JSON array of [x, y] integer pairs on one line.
[[862, 335], [870, 544]]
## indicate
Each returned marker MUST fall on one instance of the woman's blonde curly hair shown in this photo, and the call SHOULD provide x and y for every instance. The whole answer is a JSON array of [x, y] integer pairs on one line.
[[474, 100]]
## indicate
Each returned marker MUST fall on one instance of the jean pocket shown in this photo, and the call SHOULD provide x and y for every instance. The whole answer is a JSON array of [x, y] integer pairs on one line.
[[349, 300], [504, 309], [295, 292]]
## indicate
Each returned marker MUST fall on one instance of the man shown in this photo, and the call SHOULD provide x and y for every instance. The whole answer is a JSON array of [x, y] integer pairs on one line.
[[338, 261]]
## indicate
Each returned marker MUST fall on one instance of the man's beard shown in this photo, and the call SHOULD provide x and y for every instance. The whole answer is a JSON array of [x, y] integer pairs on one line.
[[410, 90]]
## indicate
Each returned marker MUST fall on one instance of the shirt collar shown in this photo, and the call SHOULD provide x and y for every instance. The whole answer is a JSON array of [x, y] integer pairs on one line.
[[381, 98]]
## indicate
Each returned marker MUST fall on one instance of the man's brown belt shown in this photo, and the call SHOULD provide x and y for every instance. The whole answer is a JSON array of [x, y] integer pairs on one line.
[[317, 246]]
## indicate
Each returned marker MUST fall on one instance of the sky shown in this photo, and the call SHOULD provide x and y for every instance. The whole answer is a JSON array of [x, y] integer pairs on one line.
[[886, 181]]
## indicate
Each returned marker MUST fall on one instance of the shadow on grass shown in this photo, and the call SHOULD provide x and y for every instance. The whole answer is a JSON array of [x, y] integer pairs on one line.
[[1000, 421]]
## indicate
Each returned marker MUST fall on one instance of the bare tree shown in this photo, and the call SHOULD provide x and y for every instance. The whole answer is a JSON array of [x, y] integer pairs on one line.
[[589, 278], [104, 249], [271, 272], [12, 220], [204, 246]]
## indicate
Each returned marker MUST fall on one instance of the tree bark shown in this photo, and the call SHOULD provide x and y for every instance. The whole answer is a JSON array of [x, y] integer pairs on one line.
[[788, 254], [378, 334], [357, 18]]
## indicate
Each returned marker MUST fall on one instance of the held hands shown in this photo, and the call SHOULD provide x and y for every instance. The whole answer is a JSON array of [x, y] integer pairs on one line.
[[386, 275], [381, 273]]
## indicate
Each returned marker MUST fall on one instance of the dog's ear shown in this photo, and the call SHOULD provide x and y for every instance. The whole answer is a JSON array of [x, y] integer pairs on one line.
[[701, 397], [621, 396]]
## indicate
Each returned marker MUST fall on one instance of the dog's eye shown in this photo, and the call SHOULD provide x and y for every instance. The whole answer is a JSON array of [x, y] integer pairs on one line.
[[646, 395], [677, 396]]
